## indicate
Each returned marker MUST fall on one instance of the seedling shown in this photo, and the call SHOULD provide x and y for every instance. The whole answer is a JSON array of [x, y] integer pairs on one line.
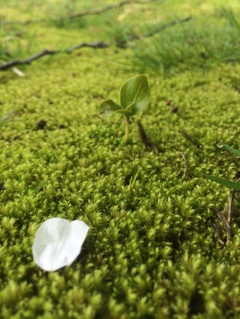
[[134, 98]]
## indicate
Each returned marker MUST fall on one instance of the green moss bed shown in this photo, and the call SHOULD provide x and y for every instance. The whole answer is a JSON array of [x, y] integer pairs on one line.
[[152, 251]]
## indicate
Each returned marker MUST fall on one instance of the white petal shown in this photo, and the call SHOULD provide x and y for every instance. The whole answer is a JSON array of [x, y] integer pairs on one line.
[[58, 242]]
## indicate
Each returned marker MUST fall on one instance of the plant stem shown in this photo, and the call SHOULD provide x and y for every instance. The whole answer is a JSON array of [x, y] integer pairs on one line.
[[126, 129]]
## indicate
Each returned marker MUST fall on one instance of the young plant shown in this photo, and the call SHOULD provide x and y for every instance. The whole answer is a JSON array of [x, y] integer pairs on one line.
[[134, 98]]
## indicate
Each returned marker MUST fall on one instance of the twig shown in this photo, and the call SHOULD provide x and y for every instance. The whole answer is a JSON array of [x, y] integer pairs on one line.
[[227, 222], [226, 225], [153, 32], [230, 207], [167, 25], [145, 138], [84, 13], [217, 229], [185, 134], [94, 45]]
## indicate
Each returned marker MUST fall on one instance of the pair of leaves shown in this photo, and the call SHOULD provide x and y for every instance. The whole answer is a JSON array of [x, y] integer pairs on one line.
[[58, 242], [134, 97], [223, 181]]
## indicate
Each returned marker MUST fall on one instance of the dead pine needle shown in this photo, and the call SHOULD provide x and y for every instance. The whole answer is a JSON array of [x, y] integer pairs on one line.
[[227, 222], [83, 14], [226, 225], [145, 139], [216, 227], [189, 138]]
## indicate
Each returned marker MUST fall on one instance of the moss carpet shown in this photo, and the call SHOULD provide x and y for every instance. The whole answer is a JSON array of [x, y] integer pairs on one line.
[[151, 251]]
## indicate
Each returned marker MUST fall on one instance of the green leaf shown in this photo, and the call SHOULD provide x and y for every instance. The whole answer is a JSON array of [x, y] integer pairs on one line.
[[108, 108], [135, 94], [127, 113], [224, 182], [230, 149]]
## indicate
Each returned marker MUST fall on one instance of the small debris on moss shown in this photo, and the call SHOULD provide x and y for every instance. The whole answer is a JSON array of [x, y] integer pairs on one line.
[[41, 124]]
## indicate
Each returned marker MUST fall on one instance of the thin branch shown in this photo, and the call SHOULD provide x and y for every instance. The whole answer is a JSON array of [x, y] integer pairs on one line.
[[230, 207], [149, 34], [227, 222], [167, 25], [97, 45], [188, 137], [217, 230], [146, 140], [94, 45], [84, 13], [224, 221], [226, 225]]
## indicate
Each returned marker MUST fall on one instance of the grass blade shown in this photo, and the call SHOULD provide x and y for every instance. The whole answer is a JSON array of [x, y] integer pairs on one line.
[[230, 149], [224, 182]]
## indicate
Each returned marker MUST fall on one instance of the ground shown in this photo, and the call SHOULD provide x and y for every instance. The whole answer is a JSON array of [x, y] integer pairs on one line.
[[153, 249]]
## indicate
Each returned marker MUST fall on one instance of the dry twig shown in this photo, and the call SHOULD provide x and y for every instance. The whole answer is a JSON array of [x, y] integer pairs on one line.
[[188, 137], [146, 140], [226, 225], [227, 222], [218, 232], [167, 25], [82, 14], [94, 45], [153, 32]]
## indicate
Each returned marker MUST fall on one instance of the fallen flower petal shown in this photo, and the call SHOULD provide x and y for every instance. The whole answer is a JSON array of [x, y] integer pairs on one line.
[[58, 242]]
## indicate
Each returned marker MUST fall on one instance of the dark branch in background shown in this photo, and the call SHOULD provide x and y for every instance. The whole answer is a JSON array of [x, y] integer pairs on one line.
[[149, 34], [95, 45], [167, 25], [82, 14]]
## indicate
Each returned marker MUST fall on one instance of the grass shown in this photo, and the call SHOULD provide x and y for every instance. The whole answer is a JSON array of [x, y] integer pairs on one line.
[[187, 46], [151, 251]]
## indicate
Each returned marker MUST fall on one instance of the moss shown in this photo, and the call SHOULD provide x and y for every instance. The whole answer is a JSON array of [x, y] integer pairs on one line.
[[151, 251]]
